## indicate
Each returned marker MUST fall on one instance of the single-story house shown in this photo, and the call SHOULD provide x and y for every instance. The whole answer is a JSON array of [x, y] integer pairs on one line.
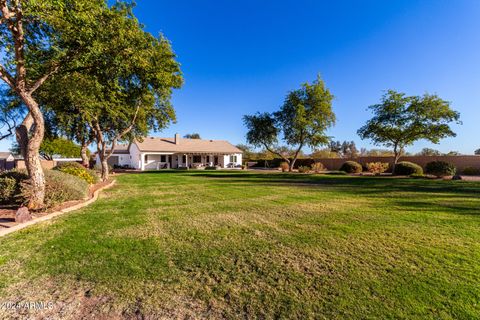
[[168, 153], [7, 161]]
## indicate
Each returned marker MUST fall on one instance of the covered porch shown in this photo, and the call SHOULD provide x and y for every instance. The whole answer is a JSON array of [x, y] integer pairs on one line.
[[196, 160]]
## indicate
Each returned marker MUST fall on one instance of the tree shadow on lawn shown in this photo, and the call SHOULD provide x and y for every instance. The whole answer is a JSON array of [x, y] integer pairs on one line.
[[358, 184], [414, 193]]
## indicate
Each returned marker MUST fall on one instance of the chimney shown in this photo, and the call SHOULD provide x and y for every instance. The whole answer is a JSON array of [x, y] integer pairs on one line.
[[177, 138]]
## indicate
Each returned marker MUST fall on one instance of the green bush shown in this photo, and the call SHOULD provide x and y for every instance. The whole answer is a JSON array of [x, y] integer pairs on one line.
[[405, 168], [440, 168], [10, 185], [304, 169], [59, 187], [76, 169], [211, 168], [351, 167], [471, 171]]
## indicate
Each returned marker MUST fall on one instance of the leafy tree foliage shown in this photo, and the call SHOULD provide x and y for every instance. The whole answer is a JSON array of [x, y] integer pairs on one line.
[[125, 98], [400, 120], [62, 147], [429, 152], [302, 120], [192, 136], [345, 149], [37, 39]]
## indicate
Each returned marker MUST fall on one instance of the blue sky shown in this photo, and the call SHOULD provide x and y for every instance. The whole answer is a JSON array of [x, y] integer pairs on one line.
[[239, 57]]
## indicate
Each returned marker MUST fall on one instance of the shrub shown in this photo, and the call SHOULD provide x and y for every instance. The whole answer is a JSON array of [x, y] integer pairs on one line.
[[304, 169], [76, 169], [377, 167], [59, 187], [405, 168], [471, 171], [351, 167], [318, 167], [440, 168], [211, 168], [284, 166], [10, 185]]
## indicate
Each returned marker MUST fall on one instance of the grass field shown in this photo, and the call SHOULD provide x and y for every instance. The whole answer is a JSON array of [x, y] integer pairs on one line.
[[255, 245]]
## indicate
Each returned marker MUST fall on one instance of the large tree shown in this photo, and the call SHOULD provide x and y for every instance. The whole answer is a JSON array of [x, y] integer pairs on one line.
[[302, 120], [37, 39], [400, 120], [125, 98]]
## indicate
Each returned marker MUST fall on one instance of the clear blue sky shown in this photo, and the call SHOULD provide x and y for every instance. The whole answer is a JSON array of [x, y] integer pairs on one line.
[[239, 57]]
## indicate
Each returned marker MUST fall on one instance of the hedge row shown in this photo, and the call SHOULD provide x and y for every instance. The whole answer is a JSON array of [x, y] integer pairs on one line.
[[437, 168], [275, 163]]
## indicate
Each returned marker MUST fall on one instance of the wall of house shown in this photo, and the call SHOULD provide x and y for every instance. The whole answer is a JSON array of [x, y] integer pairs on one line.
[[135, 160], [154, 161], [227, 160]]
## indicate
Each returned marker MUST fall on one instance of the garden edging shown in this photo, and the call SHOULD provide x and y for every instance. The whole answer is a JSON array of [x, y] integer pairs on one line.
[[56, 213]]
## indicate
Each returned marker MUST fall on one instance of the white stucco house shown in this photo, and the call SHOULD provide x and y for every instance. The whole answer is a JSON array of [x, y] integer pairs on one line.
[[170, 153], [7, 161]]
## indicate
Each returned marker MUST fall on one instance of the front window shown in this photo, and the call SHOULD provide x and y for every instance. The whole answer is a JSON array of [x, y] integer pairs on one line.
[[163, 158], [233, 158], [197, 159]]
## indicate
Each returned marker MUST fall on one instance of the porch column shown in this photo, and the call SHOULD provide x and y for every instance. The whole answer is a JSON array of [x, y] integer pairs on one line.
[[142, 161], [186, 160]]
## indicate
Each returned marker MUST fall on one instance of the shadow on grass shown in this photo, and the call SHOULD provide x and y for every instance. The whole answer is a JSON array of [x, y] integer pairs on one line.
[[366, 183]]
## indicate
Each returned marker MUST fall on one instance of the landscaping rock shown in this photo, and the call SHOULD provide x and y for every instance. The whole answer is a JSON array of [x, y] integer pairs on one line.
[[23, 215], [457, 177]]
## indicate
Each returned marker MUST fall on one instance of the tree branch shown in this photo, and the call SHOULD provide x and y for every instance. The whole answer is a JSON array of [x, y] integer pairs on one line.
[[5, 75], [43, 78], [124, 132], [276, 152]]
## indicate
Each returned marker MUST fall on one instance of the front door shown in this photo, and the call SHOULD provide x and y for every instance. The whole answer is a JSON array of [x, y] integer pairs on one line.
[[215, 160]]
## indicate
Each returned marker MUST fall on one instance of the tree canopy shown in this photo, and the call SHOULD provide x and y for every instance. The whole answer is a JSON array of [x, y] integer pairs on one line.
[[302, 120], [124, 98], [400, 120], [192, 136]]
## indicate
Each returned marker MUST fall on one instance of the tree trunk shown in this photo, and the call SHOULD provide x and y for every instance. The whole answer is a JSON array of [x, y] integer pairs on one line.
[[396, 156], [105, 170], [84, 155], [32, 156], [292, 162]]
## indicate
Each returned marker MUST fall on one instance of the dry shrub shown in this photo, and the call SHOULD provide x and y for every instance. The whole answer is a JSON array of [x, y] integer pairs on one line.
[[377, 167], [318, 167], [284, 166]]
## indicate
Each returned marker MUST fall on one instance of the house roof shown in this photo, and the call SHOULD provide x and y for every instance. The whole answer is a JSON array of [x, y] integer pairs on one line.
[[153, 144], [121, 149], [5, 155]]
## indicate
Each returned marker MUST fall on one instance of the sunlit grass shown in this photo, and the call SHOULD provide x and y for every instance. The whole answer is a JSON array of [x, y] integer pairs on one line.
[[234, 244]]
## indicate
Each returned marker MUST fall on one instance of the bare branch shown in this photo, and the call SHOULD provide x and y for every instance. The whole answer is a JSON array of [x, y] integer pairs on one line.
[[10, 123], [5, 75]]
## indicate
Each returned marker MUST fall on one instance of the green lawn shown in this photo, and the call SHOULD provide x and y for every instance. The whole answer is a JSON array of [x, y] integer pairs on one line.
[[256, 245]]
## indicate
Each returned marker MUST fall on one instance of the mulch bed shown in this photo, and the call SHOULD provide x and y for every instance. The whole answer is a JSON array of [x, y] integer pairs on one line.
[[7, 213]]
